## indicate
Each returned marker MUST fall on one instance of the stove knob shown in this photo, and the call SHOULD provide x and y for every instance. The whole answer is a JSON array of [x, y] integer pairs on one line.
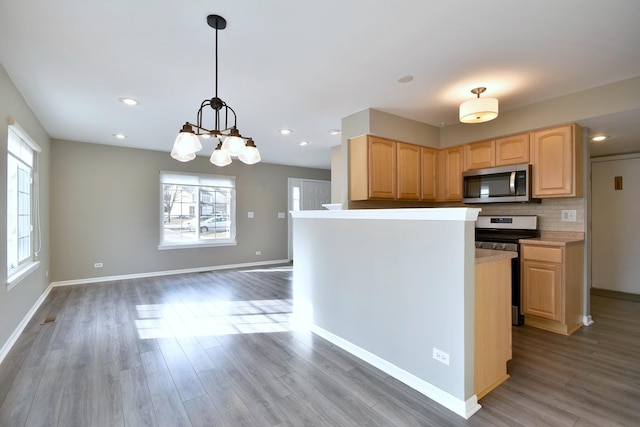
[[494, 246], [478, 244], [503, 246]]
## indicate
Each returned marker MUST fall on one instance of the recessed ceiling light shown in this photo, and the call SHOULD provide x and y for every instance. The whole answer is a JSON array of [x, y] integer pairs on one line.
[[405, 79], [335, 131], [303, 143], [119, 135], [599, 138], [129, 101], [285, 131]]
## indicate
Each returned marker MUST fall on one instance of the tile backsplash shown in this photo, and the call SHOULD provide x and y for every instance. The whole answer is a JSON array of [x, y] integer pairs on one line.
[[549, 213]]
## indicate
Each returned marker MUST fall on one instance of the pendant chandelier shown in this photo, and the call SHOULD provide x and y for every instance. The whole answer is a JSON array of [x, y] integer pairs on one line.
[[230, 142], [480, 109]]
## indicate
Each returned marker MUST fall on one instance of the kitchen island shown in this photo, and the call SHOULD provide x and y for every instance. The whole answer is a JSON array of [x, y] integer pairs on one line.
[[397, 288]]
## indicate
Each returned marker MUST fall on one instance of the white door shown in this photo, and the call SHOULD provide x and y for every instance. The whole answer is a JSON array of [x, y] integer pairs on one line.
[[306, 194], [615, 245]]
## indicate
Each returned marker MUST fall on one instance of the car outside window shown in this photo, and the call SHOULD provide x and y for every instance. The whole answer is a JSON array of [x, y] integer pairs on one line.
[[197, 210]]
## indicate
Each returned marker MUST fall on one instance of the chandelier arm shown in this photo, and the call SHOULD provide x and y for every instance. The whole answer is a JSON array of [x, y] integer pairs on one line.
[[235, 119]]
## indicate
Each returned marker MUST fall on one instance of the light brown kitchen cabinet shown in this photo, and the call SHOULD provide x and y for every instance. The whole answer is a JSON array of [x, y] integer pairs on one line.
[[450, 164], [512, 150], [552, 283], [372, 168], [409, 171], [492, 325], [479, 155], [429, 159], [556, 158]]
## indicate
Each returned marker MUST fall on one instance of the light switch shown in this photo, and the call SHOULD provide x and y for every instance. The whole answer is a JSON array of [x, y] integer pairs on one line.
[[280, 215], [249, 214]]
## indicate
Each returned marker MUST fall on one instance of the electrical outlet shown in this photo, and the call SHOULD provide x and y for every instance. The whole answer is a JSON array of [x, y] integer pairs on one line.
[[98, 265], [568, 215], [249, 214], [258, 253], [280, 215], [441, 356]]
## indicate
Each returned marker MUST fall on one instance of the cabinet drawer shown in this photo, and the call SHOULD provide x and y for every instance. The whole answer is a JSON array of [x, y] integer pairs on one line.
[[542, 253]]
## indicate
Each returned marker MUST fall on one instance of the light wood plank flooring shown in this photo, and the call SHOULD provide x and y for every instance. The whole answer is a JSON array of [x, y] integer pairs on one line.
[[214, 349]]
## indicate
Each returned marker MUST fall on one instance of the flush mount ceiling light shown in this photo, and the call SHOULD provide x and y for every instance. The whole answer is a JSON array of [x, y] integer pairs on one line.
[[230, 142], [599, 138], [480, 109], [129, 101], [285, 131]]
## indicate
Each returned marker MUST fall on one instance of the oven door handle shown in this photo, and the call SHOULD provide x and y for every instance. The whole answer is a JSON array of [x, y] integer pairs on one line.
[[512, 183]]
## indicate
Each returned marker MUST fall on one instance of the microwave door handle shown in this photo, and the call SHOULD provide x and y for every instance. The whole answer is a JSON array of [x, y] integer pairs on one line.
[[512, 183]]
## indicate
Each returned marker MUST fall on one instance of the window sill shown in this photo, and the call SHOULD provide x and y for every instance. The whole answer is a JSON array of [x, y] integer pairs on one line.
[[168, 245], [21, 273]]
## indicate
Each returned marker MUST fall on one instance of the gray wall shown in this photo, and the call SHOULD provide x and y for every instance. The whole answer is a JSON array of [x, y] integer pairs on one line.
[[17, 302], [106, 209], [397, 299]]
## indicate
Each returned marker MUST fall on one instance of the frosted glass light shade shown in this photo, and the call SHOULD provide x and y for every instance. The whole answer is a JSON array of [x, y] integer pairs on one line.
[[220, 157], [182, 157], [479, 110], [249, 155], [233, 145], [186, 143]]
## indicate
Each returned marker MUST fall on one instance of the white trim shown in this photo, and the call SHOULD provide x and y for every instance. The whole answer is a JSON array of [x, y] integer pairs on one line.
[[205, 244], [165, 273], [587, 320], [21, 273], [23, 324], [463, 408], [614, 157], [24, 135], [433, 214]]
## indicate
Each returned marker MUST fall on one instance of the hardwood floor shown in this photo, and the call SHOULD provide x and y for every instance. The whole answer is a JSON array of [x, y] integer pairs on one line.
[[214, 349]]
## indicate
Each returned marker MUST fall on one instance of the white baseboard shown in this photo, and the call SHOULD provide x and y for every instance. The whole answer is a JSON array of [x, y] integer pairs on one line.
[[23, 324], [166, 273], [463, 408]]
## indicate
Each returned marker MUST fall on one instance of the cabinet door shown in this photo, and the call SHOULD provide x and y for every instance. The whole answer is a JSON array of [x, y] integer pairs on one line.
[[408, 156], [479, 155], [542, 289], [512, 150], [429, 161], [554, 162], [450, 163], [382, 168]]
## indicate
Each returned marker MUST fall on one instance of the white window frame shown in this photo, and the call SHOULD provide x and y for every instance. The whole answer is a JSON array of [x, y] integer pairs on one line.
[[23, 150], [198, 180]]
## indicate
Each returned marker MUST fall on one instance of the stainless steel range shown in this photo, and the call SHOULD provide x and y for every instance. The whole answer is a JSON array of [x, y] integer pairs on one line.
[[502, 232]]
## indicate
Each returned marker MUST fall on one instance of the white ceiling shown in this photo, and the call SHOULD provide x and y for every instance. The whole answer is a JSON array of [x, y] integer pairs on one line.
[[305, 65]]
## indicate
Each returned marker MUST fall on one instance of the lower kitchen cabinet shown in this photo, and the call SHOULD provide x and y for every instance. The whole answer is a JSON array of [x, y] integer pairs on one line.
[[492, 325], [552, 286]]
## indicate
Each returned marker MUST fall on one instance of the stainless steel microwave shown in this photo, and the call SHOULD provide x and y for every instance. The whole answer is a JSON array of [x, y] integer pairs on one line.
[[503, 184]]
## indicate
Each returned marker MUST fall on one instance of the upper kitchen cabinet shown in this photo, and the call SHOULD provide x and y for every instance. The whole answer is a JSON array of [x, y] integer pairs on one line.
[[512, 150], [479, 155], [450, 164], [408, 169], [372, 168], [429, 158], [556, 158], [508, 150]]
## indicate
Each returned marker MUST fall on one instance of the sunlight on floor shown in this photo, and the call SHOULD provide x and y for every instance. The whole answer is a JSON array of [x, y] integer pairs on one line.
[[213, 318]]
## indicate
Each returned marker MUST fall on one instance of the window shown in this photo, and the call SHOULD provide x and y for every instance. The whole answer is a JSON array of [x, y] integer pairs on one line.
[[197, 210], [22, 205]]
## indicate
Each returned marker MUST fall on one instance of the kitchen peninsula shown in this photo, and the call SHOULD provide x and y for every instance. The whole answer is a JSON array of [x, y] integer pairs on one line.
[[398, 288]]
